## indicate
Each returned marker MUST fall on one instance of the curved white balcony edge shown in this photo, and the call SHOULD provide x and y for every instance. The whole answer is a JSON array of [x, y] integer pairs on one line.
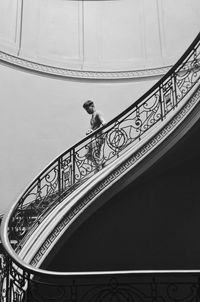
[[51, 229], [48, 70]]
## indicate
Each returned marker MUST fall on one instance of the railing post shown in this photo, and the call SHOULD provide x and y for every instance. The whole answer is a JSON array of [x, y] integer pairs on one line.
[[161, 102], [27, 293], [175, 89], [39, 188], [154, 289], [73, 292], [73, 158], [8, 289], [195, 56], [138, 121], [59, 177]]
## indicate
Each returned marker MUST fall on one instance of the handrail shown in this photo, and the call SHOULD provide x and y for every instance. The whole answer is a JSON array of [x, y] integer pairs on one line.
[[80, 162], [73, 167], [22, 282], [19, 282]]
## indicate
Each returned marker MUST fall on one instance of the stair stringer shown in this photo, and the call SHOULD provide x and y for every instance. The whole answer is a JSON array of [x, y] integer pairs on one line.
[[104, 185]]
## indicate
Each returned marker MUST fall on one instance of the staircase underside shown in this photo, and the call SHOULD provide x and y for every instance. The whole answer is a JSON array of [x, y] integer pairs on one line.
[[108, 185], [152, 224]]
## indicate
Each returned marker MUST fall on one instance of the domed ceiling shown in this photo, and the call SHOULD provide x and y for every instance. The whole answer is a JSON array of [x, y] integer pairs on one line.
[[101, 35]]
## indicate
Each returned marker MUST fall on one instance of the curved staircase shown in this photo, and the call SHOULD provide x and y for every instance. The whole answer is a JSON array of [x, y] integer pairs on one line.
[[71, 188]]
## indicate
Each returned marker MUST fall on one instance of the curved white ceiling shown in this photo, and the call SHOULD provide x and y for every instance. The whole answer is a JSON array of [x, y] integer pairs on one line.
[[107, 35]]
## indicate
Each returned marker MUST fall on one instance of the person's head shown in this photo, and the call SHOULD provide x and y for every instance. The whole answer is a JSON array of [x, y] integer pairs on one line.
[[89, 106]]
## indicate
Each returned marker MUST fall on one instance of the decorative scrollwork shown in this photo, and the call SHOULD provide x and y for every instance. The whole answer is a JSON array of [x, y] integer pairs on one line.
[[113, 291], [71, 169], [3, 275], [20, 286], [179, 293], [117, 139], [74, 167]]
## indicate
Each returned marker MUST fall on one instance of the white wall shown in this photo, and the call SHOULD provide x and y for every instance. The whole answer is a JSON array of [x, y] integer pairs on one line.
[[99, 35], [40, 117]]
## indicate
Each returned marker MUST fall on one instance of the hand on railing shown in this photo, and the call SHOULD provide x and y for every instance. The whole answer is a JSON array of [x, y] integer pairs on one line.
[[89, 131]]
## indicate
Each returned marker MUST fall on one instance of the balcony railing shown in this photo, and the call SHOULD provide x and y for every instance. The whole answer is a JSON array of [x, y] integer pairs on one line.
[[20, 282]]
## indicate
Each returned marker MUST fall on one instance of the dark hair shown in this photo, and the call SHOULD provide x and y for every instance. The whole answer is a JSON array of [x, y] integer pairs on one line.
[[88, 103]]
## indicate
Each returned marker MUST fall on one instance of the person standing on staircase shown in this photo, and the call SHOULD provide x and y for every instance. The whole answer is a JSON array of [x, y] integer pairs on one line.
[[94, 147]]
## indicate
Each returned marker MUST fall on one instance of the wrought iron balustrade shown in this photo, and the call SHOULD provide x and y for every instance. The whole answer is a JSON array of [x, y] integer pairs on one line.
[[20, 282], [83, 160]]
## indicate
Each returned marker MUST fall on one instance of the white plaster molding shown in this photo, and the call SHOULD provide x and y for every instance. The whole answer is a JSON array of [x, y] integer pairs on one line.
[[19, 23], [13, 44], [31, 66]]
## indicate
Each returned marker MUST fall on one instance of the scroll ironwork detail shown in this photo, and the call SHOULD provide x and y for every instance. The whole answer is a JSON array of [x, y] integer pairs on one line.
[[76, 165], [68, 172]]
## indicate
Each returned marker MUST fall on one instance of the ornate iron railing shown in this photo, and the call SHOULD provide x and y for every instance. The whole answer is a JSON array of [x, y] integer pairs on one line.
[[83, 160], [20, 282]]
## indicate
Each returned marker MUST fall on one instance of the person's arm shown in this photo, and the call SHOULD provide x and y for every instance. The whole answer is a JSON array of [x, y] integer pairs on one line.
[[101, 119], [89, 131], [99, 123]]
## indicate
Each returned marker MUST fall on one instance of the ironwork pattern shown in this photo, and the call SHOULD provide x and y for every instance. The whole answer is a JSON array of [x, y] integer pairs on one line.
[[91, 154], [69, 171], [190, 106], [18, 285]]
